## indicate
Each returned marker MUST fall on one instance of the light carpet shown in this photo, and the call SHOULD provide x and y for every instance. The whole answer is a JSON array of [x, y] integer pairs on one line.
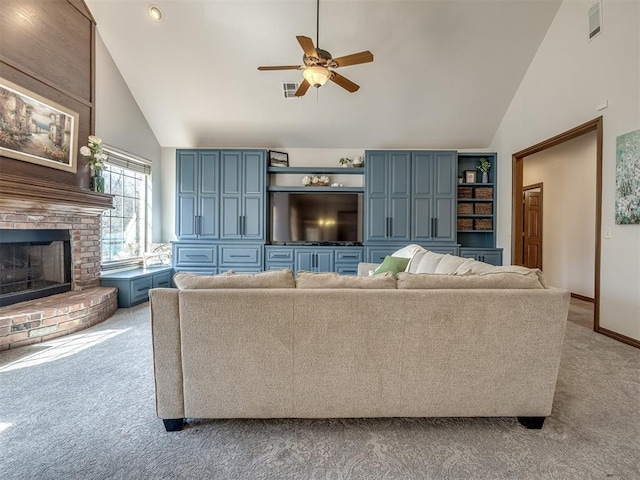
[[82, 407]]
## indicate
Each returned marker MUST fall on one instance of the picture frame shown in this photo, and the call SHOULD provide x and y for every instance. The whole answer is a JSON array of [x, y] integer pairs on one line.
[[278, 159], [470, 176], [37, 130]]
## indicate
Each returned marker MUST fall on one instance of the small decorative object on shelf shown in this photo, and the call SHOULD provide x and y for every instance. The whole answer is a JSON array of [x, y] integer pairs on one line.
[[470, 176], [93, 150], [96, 182], [345, 162], [357, 162], [315, 180], [484, 166], [278, 159]]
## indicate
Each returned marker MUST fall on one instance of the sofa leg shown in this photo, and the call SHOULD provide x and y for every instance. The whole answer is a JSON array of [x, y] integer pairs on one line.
[[532, 423], [173, 424]]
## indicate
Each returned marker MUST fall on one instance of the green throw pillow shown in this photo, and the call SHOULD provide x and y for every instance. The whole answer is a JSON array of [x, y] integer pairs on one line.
[[393, 265]]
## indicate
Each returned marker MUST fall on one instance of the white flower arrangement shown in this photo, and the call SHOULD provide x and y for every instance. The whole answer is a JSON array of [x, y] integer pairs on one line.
[[315, 180], [93, 150]]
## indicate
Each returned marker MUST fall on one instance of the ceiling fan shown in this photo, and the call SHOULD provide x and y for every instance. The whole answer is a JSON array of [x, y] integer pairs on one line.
[[318, 65]]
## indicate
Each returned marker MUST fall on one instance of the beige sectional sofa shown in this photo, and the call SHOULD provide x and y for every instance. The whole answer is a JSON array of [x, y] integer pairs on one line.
[[325, 346]]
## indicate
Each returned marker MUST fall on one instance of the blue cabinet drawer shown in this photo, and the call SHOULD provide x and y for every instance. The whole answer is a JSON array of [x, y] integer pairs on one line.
[[280, 254], [278, 266], [347, 269], [140, 289], [350, 255], [235, 255], [196, 255], [161, 280]]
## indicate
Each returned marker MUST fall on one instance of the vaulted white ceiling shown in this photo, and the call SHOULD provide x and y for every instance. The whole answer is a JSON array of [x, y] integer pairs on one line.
[[443, 76]]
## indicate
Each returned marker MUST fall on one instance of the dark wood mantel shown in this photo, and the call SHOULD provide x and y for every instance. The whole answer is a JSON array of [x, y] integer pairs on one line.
[[37, 195]]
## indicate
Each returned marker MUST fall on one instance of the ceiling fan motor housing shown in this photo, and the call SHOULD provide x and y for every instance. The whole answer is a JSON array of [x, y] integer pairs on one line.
[[323, 60]]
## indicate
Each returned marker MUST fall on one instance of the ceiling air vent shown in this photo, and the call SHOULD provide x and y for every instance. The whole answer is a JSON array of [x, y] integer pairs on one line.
[[289, 89], [595, 19]]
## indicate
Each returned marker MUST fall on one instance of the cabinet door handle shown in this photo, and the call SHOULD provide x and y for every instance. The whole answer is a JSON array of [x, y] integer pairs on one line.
[[196, 256], [388, 226], [314, 260], [240, 256], [200, 217], [435, 230], [195, 225], [244, 224], [349, 256], [279, 255], [143, 289]]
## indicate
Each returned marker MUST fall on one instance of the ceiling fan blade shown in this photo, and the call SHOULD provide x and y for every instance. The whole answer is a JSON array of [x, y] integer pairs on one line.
[[281, 67], [354, 59], [302, 89], [307, 46], [344, 82]]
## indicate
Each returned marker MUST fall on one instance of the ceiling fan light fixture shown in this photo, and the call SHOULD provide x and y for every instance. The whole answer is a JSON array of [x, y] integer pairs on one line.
[[155, 13], [316, 76]]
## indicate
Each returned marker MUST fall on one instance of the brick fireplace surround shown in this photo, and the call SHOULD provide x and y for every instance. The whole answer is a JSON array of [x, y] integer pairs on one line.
[[39, 204]]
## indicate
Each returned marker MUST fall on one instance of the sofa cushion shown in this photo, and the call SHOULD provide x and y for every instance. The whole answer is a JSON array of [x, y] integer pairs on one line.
[[384, 280], [270, 279], [490, 280], [475, 267], [516, 269], [392, 264], [426, 263], [448, 265]]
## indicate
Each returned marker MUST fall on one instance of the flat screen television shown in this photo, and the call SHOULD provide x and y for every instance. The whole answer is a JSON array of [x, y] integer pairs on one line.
[[316, 218]]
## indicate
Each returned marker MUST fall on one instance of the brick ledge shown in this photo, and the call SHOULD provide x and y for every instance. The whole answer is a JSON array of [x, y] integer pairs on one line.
[[39, 320]]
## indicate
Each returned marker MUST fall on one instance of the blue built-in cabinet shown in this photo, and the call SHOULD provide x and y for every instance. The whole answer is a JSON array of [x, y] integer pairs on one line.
[[433, 204], [388, 196], [197, 199], [220, 198], [410, 197], [476, 210], [343, 260], [243, 175]]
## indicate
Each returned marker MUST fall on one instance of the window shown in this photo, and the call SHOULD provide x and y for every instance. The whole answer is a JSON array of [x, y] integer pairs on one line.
[[125, 229]]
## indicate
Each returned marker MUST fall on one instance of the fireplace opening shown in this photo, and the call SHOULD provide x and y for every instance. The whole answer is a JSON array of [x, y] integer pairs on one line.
[[33, 264]]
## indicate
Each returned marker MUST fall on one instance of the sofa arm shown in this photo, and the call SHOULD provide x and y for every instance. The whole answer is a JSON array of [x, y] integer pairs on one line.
[[167, 357], [364, 268]]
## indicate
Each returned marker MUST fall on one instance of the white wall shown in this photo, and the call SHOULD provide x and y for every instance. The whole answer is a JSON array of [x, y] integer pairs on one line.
[[120, 123], [568, 78], [568, 175]]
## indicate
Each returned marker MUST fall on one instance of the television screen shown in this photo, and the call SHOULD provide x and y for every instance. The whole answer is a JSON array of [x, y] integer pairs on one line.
[[316, 217]]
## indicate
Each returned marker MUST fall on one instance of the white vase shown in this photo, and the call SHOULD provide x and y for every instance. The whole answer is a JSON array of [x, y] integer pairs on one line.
[[485, 177]]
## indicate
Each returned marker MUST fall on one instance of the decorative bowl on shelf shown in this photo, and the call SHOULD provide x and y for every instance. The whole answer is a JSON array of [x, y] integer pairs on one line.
[[315, 180]]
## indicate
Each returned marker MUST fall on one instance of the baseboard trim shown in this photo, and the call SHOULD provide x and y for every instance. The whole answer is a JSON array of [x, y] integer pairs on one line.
[[582, 297], [618, 336]]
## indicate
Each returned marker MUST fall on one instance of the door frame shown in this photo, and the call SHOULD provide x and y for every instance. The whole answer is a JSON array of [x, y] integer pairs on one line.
[[536, 186], [517, 217]]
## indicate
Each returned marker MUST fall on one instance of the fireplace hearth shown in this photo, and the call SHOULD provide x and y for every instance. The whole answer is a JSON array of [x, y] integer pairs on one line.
[[34, 263]]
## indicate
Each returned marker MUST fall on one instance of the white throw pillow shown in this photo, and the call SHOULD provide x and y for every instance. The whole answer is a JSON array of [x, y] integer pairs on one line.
[[428, 263], [466, 267], [449, 264], [407, 252]]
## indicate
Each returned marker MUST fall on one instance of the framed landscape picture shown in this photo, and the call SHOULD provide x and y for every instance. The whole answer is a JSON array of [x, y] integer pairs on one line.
[[278, 159], [36, 130]]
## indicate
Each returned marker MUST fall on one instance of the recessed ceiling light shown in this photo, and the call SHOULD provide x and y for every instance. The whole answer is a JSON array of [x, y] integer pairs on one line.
[[155, 13]]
